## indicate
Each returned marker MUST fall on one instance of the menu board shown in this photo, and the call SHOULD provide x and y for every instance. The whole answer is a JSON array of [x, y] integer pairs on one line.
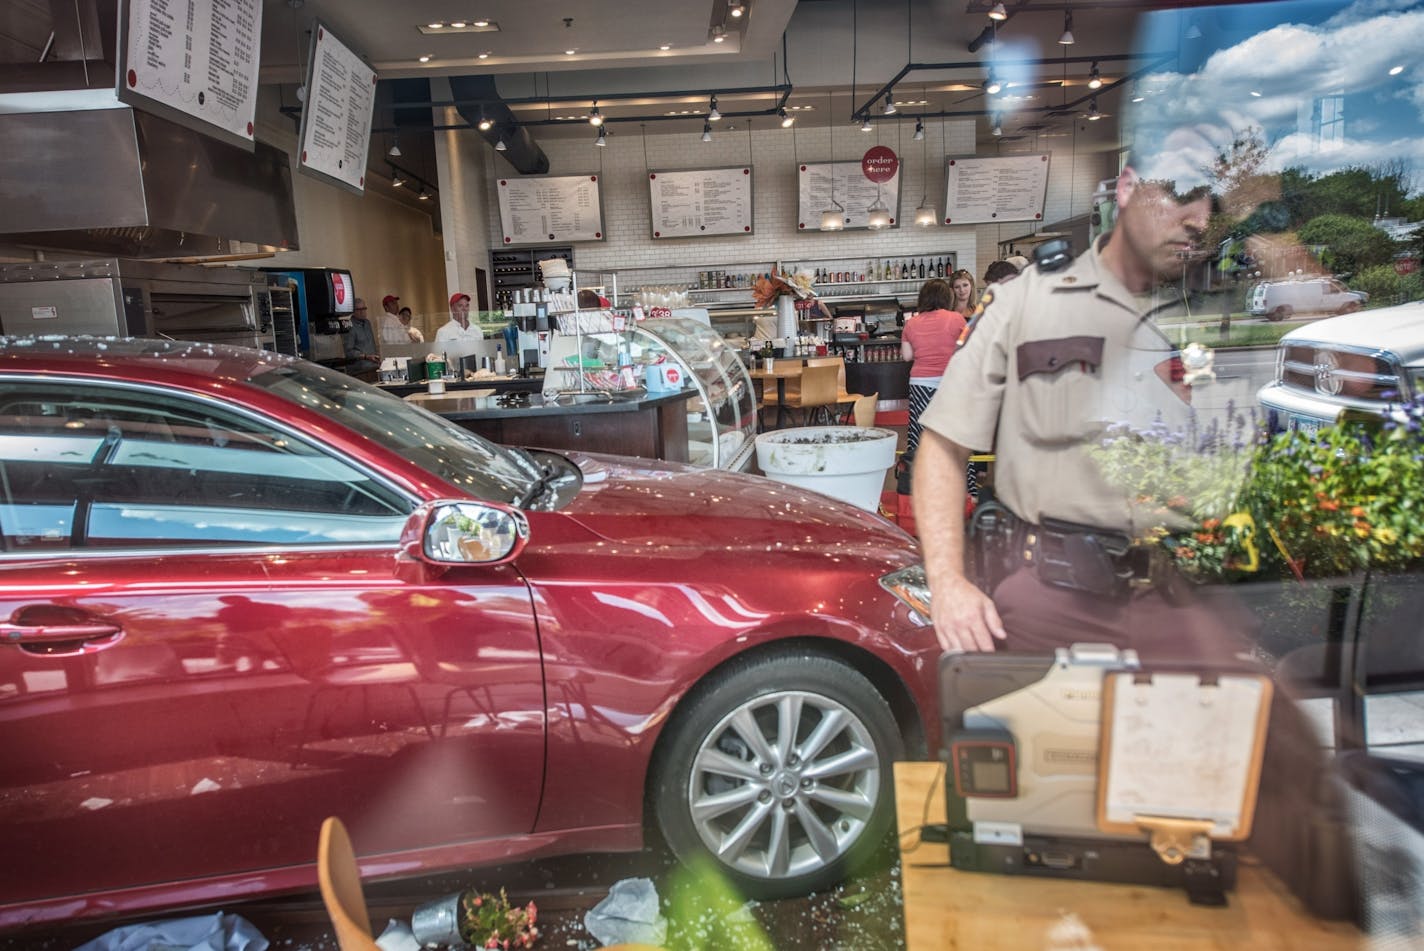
[[336, 117], [695, 203], [547, 209], [846, 182], [1006, 188], [193, 62]]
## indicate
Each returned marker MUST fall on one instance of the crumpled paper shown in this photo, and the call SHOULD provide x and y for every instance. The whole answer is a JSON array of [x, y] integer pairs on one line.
[[629, 915], [397, 937], [215, 932]]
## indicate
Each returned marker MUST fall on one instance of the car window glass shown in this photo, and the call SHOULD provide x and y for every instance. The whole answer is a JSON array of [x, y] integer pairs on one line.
[[103, 467]]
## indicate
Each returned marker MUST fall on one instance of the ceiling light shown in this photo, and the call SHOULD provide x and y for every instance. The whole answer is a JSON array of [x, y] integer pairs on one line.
[[706, 132], [457, 24], [890, 102], [1255, 94], [712, 114], [878, 216], [395, 151], [484, 55], [500, 146], [919, 130], [570, 52], [425, 58], [786, 118], [602, 140], [435, 26], [735, 8], [833, 219], [1194, 32], [1066, 38], [1093, 114], [396, 180], [422, 194], [1396, 70], [998, 128], [1095, 78], [665, 47], [486, 123], [992, 85], [866, 126], [719, 34], [1137, 95], [595, 117], [482, 23], [925, 215], [997, 12]]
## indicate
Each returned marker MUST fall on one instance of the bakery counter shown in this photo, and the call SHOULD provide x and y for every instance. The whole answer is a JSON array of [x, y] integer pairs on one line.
[[498, 384], [653, 427]]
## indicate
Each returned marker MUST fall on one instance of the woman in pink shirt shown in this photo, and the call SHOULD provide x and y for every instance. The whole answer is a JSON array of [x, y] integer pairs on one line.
[[928, 340]]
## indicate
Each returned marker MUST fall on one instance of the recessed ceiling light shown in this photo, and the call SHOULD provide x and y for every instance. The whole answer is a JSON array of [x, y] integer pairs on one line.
[[1256, 94], [425, 58], [1396, 70], [482, 23], [484, 55], [665, 46], [570, 52], [457, 24], [435, 26]]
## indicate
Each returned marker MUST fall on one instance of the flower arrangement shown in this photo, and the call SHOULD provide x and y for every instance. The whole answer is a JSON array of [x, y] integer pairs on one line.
[[1231, 502], [768, 288], [490, 921]]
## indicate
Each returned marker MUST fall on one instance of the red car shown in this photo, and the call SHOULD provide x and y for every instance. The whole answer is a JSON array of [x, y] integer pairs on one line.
[[242, 592]]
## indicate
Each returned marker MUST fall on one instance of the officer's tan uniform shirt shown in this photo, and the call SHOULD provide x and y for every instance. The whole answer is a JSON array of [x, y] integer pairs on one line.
[[1054, 359]]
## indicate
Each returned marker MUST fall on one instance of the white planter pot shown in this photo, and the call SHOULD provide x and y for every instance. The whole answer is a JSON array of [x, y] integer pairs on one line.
[[845, 462], [786, 326]]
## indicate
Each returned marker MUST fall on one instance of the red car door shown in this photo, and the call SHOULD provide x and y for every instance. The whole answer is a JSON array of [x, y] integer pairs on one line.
[[195, 671]]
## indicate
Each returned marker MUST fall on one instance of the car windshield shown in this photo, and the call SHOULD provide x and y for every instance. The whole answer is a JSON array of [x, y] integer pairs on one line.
[[458, 456]]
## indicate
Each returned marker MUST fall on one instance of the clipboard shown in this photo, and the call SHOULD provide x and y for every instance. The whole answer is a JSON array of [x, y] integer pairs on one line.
[[1180, 757]]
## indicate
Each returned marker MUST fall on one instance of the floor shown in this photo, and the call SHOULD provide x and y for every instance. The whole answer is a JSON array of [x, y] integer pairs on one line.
[[865, 914]]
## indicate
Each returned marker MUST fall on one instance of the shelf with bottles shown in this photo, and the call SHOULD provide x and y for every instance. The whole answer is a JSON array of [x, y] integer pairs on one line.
[[872, 350], [861, 277]]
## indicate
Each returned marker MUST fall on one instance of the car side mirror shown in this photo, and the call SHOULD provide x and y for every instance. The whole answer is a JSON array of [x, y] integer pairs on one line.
[[465, 533]]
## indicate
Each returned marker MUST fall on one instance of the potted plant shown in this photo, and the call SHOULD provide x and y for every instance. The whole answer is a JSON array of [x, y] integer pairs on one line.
[[476, 919], [845, 462]]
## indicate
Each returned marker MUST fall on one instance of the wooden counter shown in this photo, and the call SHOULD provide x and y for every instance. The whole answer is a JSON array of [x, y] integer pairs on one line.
[[946, 908], [654, 427]]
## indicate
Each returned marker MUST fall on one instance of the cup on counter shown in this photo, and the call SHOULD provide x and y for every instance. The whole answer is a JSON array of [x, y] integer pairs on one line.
[[769, 364], [435, 375]]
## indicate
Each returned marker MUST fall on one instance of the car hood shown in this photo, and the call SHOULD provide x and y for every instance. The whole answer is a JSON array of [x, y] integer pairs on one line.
[[1398, 330], [637, 500]]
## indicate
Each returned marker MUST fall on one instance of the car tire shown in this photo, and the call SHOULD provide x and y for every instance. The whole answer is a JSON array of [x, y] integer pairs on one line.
[[1280, 313], [780, 811]]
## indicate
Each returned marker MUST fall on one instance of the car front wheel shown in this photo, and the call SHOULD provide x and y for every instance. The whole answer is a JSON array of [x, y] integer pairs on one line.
[[779, 769]]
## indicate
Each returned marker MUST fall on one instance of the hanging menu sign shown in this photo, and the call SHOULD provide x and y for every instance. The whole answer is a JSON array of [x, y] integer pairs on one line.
[[696, 203], [193, 62], [1006, 188], [336, 117], [550, 209], [819, 183]]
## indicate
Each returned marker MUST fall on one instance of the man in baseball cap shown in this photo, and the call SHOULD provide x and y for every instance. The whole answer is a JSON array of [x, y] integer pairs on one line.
[[459, 326], [392, 330]]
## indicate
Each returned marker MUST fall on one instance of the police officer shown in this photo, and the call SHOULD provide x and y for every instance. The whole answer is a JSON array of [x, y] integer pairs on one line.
[[1064, 350]]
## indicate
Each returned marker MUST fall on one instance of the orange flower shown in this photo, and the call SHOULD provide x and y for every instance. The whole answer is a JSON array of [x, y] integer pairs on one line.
[[1211, 523], [1330, 505], [1358, 511]]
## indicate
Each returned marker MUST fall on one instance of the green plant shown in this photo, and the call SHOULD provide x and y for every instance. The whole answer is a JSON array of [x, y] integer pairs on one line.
[[490, 921]]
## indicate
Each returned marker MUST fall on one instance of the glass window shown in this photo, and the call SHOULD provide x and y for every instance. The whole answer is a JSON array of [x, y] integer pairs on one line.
[[92, 466]]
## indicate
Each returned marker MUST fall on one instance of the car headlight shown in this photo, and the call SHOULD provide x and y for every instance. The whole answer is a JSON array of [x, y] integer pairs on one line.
[[910, 586]]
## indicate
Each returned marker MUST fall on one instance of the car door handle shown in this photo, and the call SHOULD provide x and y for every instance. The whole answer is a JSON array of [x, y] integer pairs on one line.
[[61, 639]]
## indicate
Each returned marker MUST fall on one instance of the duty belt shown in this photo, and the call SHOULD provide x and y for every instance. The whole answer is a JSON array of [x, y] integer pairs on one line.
[[1083, 558]]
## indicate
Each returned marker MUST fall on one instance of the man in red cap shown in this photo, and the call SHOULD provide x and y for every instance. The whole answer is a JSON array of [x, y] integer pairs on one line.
[[392, 330], [459, 326]]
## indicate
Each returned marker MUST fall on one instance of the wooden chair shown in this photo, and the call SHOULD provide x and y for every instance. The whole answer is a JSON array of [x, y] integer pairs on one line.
[[863, 410], [818, 395], [340, 880]]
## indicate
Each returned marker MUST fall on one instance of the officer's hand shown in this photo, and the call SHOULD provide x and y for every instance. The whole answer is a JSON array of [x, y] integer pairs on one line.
[[965, 619]]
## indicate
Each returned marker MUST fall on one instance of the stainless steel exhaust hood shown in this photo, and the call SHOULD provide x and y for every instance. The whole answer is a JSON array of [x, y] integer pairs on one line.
[[109, 179]]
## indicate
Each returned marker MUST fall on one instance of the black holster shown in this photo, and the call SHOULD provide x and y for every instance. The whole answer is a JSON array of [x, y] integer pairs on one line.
[[992, 553]]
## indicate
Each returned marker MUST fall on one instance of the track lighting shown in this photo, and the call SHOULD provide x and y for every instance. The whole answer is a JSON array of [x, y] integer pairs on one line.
[[500, 146], [486, 123], [719, 34], [890, 102], [992, 85], [594, 116], [1095, 78], [1093, 114], [1066, 39], [395, 151], [712, 114], [397, 181], [919, 130], [602, 140], [866, 126], [735, 8], [997, 12], [786, 118], [706, 132], [423, 195]]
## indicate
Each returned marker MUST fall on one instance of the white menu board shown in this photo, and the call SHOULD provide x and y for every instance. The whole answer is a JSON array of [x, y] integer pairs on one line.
[[550, 209], [1006, 188], [818, 182], [695, 203], [336, 117], [193, 62]]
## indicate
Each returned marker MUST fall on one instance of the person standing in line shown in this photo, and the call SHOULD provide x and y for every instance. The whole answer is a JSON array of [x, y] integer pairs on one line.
[[928, 341], [413, 333], [363, 355], [998, 272], [459, 327], [391, 329], [964, 299]]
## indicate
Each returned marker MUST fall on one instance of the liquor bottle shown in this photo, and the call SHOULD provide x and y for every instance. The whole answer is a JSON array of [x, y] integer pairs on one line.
[[922, 267], [939, 268], [904, 270], [499, 360]]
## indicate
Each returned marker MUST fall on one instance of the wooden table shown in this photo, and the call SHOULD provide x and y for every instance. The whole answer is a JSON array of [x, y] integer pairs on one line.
[[950, 909], [783, 369]]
